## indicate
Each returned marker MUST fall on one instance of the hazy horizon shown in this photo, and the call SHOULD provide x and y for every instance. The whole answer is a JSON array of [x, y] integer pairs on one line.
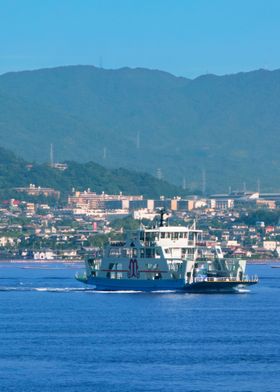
[[186, 39], [139, 67]]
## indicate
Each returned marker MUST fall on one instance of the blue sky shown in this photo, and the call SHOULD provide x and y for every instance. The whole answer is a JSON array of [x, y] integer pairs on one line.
[[184, 37]]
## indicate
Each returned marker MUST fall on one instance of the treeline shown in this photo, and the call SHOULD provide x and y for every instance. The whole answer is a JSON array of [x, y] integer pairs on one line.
[[15, 172], [269, 217]]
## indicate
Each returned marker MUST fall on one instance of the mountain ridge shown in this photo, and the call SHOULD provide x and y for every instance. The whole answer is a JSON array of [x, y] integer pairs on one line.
[[226, 126]]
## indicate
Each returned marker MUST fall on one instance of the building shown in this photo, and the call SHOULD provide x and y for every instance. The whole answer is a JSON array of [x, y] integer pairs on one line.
[[88, 200], [32, 190], [221, 203]]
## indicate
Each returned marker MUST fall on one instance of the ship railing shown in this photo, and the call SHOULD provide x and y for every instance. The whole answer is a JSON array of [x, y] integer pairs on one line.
[[244, 279]]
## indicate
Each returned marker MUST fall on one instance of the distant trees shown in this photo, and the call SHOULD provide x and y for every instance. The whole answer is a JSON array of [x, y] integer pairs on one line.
[[15, 172], [269, 217]]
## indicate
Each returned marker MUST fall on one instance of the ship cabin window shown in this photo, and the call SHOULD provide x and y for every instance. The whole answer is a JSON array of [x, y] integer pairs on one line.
[[152, 236], [125, 252], [115, 252], [115, 271], [174, 236], [158, 252], [129, 252], [175, 267], [94, 264], [151, 270], [150, 253], [151, 266], [142, 235]]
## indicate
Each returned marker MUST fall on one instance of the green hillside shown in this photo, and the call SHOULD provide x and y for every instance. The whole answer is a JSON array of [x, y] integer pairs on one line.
[[144, 120], [15, 172]]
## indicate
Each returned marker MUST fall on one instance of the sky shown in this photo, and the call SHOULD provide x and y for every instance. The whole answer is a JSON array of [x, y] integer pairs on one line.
[[184, 37]]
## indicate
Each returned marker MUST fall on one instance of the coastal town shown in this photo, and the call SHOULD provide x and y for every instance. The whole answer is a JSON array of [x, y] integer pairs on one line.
[[41, 225]]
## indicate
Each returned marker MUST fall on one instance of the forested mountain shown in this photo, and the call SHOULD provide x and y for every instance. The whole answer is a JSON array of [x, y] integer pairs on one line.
[[227, 126], [15, 172]]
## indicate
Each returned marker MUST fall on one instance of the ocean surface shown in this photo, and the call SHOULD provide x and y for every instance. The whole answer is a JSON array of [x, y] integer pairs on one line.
[[58, 335]]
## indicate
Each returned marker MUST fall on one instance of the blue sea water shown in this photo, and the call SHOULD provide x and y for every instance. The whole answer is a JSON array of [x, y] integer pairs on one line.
[[58, 335]]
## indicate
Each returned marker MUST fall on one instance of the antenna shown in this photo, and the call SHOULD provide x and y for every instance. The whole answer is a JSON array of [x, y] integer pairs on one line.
[[100, 62], [163, 222], [229, 190], [244, 187], [51, 156]]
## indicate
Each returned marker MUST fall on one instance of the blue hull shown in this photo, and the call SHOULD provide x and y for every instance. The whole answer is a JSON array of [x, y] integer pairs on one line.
[[217, 287], [105, 284], [138, 285]]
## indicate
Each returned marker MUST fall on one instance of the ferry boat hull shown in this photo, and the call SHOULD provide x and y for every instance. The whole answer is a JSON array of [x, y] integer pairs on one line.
[[218, 287], [207, 286], [104, 284]]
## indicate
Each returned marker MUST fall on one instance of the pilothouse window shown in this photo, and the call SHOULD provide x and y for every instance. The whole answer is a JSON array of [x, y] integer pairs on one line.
[[152, 237]]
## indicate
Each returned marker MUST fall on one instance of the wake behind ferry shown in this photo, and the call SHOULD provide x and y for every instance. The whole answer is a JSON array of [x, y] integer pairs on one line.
[[164, 257]]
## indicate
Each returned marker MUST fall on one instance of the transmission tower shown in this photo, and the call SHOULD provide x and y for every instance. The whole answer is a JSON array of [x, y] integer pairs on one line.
[[51, 156], [203, 182], [104, 153]]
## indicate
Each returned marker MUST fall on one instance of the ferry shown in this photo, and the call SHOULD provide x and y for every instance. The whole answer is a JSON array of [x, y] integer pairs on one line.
[[164, 257]]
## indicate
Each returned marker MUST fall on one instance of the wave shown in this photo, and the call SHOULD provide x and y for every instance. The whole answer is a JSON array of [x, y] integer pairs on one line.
[[47, 268], [22, 288], [46, 289]]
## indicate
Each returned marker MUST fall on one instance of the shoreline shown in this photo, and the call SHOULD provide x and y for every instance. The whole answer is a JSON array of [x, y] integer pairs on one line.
[[263, 261], [81, 261], [32, 261]]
